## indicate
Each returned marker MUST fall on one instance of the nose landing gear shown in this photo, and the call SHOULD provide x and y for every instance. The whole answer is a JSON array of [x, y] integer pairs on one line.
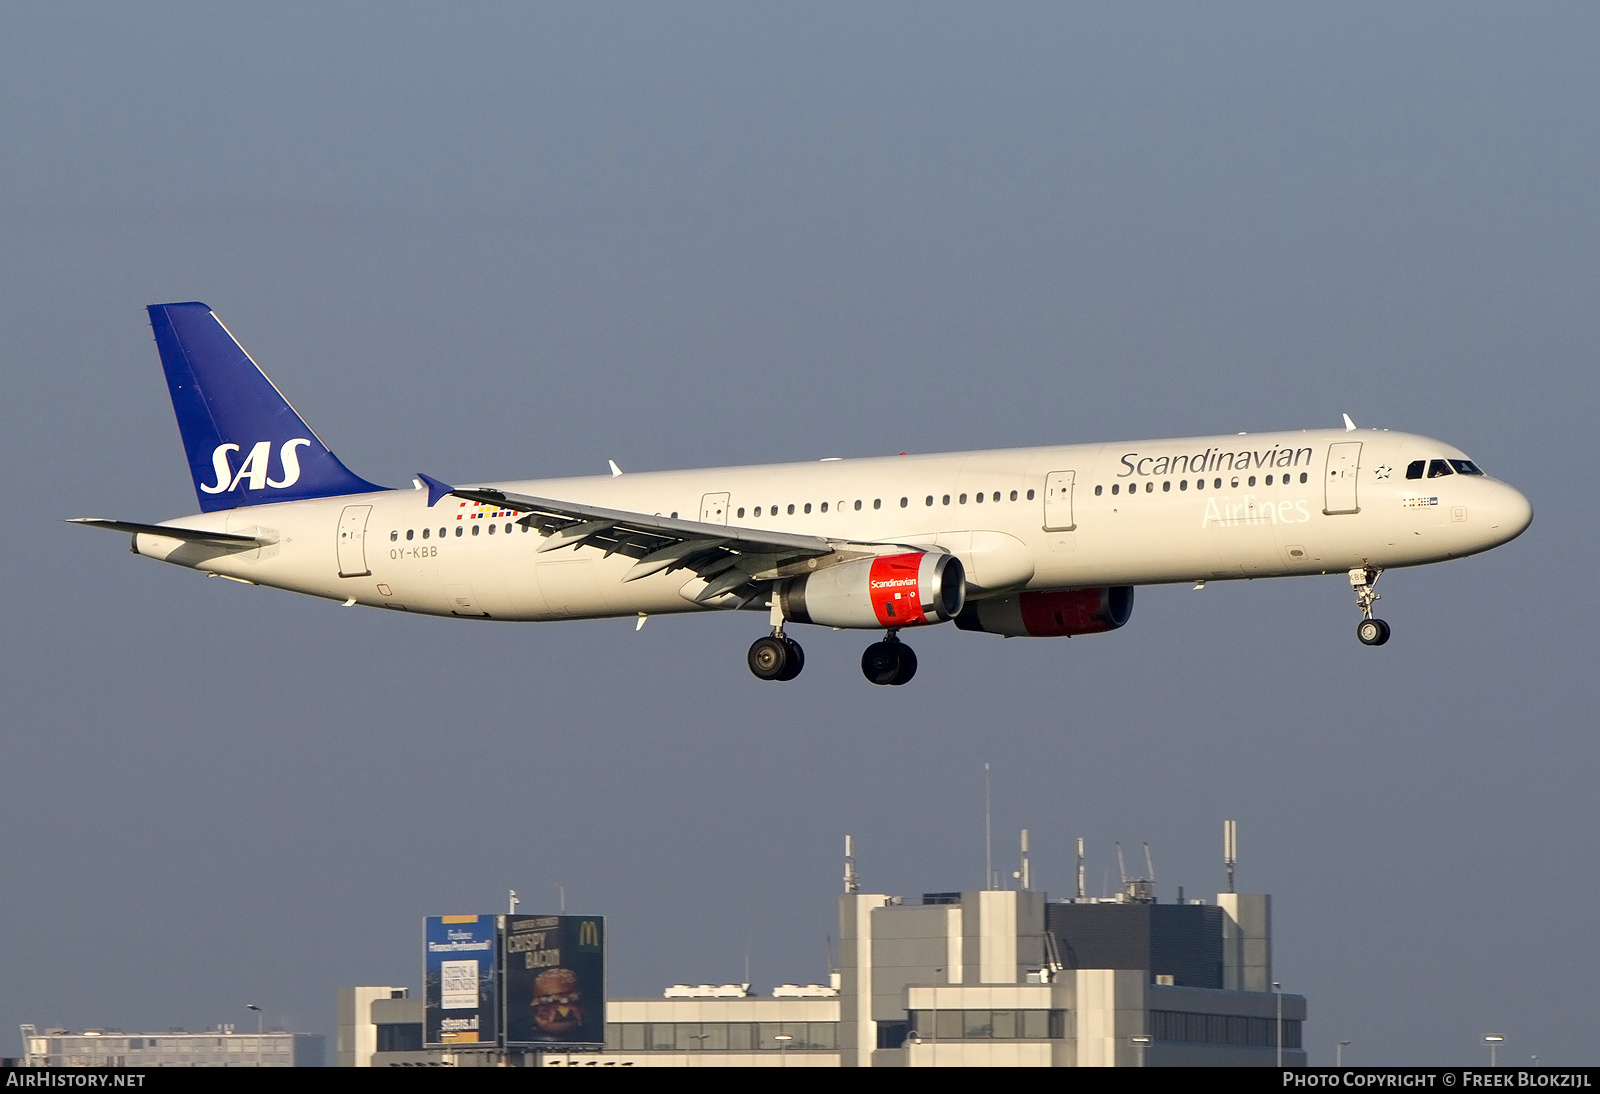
[[1370, 631], [889, 662]]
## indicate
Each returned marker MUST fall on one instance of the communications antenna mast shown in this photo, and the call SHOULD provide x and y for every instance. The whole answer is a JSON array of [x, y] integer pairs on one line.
[[988, 840], [1230, 848], [1080, 868], [852, 884]]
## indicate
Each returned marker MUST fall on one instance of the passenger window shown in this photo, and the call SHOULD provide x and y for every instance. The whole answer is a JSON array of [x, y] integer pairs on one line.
[[1166, 487], [1218, 485], [476, 528], [1414, 469], [674, 514], [425, 533], [491, 529], [946, 499], [394, 536], [858, 505], [1150, 488], [443, 530], [1013, 495], [508, 527], [1269, 480], [808, 507], [978, 497], [996, 496], [1438, 469], [1302, 476], [963, 499], [1030, 495], [741, 512], [791, 510], [1097, 490], [1116, 488], [824, 507], [1252, 480], [524, 529], [1233, 483], [1465, 467]]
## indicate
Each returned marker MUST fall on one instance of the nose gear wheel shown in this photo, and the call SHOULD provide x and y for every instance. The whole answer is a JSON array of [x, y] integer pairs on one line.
[[1363, 582]]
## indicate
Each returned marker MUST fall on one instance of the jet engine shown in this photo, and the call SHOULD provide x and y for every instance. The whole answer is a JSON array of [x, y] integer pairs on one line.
[[888, 591], [1050, 615]]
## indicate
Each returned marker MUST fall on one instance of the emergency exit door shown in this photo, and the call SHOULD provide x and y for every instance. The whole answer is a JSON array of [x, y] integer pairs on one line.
[[353, 541], [714, 509], [1058, 501]]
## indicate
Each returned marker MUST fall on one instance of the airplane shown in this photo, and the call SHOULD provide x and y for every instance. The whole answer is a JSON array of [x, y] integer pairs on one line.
[[1031, 542]]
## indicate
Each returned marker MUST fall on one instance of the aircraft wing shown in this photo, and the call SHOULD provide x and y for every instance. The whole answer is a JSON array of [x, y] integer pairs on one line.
[[190, 535], [733, 562]]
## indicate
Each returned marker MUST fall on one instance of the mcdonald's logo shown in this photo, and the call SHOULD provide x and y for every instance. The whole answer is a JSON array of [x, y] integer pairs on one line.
[[588, 933]]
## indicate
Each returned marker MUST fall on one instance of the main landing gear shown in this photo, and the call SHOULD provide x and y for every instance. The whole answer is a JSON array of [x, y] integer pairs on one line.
[[776, 657], [1370, 631], [889, 662]]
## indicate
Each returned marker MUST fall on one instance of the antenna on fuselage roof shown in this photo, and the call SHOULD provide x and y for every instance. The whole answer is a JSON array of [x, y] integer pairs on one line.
[[1349, 426], [615, 470]]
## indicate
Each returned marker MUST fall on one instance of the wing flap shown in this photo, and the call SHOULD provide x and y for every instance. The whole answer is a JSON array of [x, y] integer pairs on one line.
[[640, 534]]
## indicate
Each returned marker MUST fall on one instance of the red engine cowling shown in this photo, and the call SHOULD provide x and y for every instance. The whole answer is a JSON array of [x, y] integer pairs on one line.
[[888, 591], [1050, 615]]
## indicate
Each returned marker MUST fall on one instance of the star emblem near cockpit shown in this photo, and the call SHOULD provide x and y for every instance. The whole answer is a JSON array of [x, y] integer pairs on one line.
[[1382, 471]]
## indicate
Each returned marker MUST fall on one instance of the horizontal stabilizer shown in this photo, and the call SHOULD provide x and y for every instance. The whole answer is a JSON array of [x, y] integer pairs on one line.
[[190, 535]]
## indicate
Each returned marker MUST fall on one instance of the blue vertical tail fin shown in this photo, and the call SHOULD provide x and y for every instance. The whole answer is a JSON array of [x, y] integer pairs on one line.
[[246, 445]]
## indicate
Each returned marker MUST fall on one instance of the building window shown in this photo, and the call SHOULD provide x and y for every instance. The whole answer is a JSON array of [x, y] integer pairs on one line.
[[989, 1025], [1222, 1029], [722, 1036], [399, 1036]]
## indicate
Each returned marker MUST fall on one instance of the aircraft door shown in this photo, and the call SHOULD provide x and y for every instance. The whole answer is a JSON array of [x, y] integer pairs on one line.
[[1058, 501], [1344, 465], [714, 508], [353, 541]]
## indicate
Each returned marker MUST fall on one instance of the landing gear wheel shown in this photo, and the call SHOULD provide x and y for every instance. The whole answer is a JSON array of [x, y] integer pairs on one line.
[[1372, 632], [908, 665], [889, 662], [769, 658], [797, 660], [880, 663]]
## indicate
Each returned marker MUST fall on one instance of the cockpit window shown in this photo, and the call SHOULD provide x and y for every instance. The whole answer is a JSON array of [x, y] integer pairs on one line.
[[1465, 467], [1438, 469], [1414, 469]]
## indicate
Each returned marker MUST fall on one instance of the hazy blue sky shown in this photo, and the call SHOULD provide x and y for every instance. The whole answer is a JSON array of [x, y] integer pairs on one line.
[[497, 241]]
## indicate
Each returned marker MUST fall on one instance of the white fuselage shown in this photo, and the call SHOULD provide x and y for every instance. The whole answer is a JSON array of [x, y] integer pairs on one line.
[[1208, 508]]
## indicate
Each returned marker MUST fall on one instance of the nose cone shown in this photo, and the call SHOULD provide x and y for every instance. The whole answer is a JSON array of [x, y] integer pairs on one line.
[[1509, 514]]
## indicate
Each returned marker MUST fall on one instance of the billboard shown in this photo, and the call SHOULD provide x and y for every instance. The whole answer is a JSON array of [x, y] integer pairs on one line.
[[555, 980], [460, 984]]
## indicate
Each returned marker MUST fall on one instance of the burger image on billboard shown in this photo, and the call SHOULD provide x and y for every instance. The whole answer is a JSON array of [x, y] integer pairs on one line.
[[557, 1002], [555, 984]]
